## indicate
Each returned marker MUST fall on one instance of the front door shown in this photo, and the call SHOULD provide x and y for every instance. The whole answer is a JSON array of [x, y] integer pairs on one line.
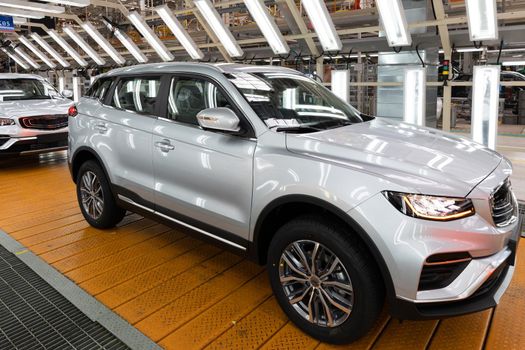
[[203, 178]]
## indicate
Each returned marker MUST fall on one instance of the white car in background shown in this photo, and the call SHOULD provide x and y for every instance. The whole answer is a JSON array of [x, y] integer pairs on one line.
[[33, 115]]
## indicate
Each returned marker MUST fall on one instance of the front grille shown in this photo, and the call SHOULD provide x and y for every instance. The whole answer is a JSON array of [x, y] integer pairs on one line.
[[503, 205], [45, 122]]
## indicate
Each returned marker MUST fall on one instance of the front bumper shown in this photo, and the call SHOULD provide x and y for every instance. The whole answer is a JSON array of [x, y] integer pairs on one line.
[[486, 290], [33, 144]]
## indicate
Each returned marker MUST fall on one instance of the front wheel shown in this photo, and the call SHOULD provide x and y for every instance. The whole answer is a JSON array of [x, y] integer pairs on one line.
[[95, 198], [325, 280]]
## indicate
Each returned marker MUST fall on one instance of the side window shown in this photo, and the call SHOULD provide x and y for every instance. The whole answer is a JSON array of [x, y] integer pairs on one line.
[[99, 88], [189, 96], [137, 94], [102, 89]]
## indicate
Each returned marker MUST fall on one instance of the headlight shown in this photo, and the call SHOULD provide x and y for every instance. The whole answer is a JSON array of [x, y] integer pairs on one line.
[[431, 207], [6, 121]]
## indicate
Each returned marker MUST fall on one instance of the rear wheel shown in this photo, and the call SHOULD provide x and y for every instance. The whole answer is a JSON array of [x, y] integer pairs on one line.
[[95, 198], [325, 280]]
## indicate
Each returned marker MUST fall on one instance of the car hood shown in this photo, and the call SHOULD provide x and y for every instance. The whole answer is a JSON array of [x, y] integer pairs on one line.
[[27, 108], [420, 159]]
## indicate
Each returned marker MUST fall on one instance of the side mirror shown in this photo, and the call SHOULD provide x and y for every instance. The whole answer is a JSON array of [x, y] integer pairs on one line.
[[222, 119], [67, 93]]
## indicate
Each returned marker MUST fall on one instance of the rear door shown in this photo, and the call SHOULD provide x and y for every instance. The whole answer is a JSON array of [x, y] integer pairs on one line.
[[202, 177], [124, 135]]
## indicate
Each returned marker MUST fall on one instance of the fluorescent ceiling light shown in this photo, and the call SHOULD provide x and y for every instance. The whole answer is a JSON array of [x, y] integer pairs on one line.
[[84, 45], [130, 46], [323, 25], [21, 13], [19, 20], [392, 15], [414, 96], [37, 52], [15, 58], [513, 63], [106, 46], [180, 33], [217, 25], [341, 84], [485, 104], [482, 19], [50, 50], [76, 3], [32, 6], [141, 25], [63, 43], [267, 26], [26, 57]]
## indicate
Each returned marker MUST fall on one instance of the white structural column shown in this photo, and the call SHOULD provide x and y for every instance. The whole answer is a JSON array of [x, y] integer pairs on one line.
[[414, 96], [341, 84], [76, 87], [485, 104]]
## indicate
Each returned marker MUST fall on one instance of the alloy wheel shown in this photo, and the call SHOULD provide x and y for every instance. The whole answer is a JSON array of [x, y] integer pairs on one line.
[[91, 195], [316, 283]]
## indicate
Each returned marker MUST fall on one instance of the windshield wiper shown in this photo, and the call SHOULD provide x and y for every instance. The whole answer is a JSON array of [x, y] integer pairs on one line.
[[333, 123], [294, 128]]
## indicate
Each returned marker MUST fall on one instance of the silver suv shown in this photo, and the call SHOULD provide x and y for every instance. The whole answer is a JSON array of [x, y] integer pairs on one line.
[[33, 115], [344, 209]]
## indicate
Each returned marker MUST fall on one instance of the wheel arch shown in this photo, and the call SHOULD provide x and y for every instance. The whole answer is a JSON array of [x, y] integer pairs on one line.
[[82, 155], [283, 209]]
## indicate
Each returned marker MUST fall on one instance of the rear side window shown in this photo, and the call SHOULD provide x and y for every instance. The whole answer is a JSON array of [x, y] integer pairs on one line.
[[99, 89], [137, 94]]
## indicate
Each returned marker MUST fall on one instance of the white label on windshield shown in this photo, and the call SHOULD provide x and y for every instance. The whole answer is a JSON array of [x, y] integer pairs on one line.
[[271, 122]]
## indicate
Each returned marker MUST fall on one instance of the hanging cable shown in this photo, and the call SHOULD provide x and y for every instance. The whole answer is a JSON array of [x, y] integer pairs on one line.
[[420, 58], [499, 52]]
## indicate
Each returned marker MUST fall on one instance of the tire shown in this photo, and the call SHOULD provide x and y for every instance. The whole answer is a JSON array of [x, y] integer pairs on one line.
[[356, 271], [97, 203]]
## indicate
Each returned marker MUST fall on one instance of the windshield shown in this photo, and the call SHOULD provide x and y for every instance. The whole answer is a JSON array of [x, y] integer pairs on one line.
[[292, 102], [26, 89]]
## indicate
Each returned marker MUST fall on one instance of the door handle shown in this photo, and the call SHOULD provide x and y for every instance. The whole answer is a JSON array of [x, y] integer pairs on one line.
[[101, 128], [164, 145]]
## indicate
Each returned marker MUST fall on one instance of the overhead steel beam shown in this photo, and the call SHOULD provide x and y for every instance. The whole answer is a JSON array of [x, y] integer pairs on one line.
[[302, 27]]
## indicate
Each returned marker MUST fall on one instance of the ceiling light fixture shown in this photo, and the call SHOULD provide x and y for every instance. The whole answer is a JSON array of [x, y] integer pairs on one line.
[[76, 3], [104, 44], [21, 13], [18, 50], [482, 19], [323, 24], [84, 45], [180, 33], [141, 25], [64, 45], [267, 26], [15, 58], [513, 63], [392, 15], [226, 38], [32, 6], [37, 52], [50, 49]]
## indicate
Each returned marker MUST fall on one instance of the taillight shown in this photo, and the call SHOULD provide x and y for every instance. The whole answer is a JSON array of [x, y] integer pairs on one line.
[[72, 111]]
